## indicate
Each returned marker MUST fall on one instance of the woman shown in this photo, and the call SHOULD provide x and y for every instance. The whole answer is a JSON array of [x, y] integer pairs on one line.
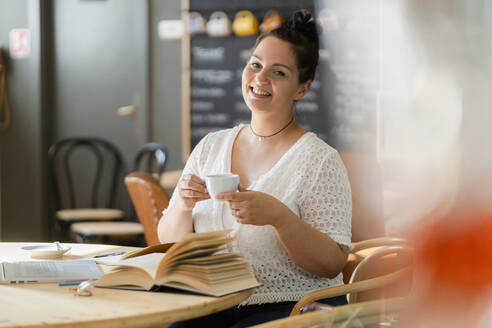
[[292, 214]]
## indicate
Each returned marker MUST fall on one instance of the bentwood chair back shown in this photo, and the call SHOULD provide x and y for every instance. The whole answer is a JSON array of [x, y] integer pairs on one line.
[[154, 155], [149, 199], [150, 158], [382, 262], [376, 313], [85, 173], [385, 271]]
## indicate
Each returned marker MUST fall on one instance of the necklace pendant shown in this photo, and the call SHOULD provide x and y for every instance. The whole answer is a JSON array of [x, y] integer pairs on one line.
[[260, 139]]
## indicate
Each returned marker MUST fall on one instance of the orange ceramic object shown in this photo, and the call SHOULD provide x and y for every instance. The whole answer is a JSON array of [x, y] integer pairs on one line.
[[271, 21]]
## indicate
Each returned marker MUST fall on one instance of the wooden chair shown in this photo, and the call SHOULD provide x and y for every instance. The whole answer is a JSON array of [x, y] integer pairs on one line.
[[385, 270], [108, 232], [363, 248], [377, 313], [150, 158], [149, 199], [155, 155], [85, 205], [98, 158]]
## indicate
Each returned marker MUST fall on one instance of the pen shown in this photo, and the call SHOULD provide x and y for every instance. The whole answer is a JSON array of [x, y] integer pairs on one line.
[[109, 254], [70, 282]]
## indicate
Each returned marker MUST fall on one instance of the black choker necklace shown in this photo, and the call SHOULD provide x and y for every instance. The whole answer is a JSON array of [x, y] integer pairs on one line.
[[260, 137]]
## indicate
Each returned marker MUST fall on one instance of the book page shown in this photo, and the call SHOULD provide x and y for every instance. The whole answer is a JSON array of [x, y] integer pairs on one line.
[[147, 262], [126, 277], [225, 287], [161, 248], [216, 258], [170, 262], [192, 239]]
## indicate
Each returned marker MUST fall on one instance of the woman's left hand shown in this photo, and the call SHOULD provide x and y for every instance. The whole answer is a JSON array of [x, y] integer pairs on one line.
[[256, 208]]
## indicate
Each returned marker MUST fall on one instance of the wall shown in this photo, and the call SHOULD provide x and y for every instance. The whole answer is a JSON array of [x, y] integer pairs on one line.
[[100, 64], [166, 83], [22, 178], [23, 148]]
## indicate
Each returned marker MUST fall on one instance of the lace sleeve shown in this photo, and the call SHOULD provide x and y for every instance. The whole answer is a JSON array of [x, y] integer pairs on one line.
[[193, 165], [326, 199]]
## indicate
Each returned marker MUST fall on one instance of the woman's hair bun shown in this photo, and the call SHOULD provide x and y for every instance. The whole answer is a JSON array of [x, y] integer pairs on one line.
[[301, 32], [302, 21]]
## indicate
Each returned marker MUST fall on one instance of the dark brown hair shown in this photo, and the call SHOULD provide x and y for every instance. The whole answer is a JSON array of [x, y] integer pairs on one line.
[[300, 31]]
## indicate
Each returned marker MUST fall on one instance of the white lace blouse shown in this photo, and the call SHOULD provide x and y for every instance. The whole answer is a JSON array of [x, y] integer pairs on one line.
[[309, 178]]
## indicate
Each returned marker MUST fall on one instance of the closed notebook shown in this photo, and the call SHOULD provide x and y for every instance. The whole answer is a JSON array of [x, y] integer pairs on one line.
[[197, 263], [48, 271]]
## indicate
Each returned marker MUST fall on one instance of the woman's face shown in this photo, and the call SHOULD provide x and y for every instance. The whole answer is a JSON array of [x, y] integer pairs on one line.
[[270, 80]]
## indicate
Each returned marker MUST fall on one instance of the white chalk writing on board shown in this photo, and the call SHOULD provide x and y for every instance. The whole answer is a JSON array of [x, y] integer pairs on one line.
[[350, 101], [239, 73], [208, 54], [210, 118], [212, 76], [240, 121], [307, 106], [351, 115], [202, 106], [351, 74], [347, 88], [244, 55], [208, 92], [240, 106], [310, 95]]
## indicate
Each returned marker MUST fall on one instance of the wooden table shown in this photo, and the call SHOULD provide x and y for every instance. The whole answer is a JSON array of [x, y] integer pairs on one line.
[[49, 305]]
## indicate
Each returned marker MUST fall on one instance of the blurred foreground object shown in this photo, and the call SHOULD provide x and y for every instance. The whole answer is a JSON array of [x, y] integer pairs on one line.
[[454, 271]]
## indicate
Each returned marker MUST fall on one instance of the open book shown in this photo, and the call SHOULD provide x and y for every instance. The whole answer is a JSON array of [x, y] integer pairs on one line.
[[198, 263]]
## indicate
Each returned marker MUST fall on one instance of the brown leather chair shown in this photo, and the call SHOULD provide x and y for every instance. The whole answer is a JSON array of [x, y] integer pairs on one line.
[[149, 199]]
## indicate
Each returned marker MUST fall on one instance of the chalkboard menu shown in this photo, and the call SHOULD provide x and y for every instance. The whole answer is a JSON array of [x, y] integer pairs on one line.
[[216, 64]]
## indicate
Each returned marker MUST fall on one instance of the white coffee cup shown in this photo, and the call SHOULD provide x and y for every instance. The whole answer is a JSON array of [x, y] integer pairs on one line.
[[219, 183]]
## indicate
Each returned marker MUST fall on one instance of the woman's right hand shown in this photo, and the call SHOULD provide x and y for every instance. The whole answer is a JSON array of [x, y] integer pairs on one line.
[[191, 189]]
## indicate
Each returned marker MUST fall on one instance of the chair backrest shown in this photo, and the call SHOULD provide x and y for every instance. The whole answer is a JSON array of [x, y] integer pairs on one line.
[[385, 271], [364, 174], [152, 157], [365, 314], [149, 199], [381, 262], [366, 246], [156, 155], [96, 187]]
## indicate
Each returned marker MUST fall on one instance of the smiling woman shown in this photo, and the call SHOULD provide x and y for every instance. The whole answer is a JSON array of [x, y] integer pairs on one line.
[[270, 85], [292, 215]]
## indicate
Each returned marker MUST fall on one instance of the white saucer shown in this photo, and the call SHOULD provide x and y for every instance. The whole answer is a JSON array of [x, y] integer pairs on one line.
[[46, 251]]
